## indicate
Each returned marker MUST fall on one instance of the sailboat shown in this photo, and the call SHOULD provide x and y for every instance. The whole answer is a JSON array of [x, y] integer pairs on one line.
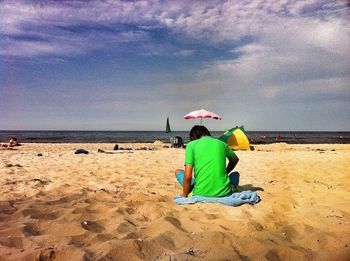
[[167, 128]]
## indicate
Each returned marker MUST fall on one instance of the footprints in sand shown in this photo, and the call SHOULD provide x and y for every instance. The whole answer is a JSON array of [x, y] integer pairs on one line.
[[40, 214], [10, 165], [175, 222], [95, 229], [128, 219], [12, 242], [30, 230], [47, 254], [7, 208], [272, 255], [127, 226], [96, 218], [35, 181], [257, 226], [87, 226]]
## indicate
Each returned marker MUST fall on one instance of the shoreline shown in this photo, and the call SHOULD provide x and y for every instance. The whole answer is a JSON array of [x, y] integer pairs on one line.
[[122, 137], [158, 144], [128, 198]]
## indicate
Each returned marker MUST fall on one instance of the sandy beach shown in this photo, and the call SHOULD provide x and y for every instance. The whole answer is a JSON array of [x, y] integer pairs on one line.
[[55, 205]]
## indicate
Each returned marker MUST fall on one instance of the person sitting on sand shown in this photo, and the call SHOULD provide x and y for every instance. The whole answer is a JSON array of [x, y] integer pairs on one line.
[[13, 142], [207, 157]]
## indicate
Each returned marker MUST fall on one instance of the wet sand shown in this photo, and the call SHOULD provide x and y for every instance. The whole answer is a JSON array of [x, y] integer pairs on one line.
[[55, 205]]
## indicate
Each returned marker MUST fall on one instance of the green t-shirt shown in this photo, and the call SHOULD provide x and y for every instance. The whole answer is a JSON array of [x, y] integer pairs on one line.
[[208, 158]]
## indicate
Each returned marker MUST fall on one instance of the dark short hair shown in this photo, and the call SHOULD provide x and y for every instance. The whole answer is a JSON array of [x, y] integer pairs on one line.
[[198, 131]]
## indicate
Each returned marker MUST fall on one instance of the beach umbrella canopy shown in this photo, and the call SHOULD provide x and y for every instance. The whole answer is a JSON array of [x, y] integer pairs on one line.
[[202, 114], [236, 138]]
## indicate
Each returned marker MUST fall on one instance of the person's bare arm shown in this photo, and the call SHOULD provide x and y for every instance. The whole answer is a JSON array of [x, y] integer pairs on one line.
[[187, 180], [232, 164]]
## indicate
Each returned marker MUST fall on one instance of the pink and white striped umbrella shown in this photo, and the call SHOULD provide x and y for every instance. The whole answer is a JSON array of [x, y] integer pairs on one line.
[[202, 114]]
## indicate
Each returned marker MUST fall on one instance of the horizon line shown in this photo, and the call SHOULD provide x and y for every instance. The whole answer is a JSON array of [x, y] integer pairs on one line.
[[179, 130]]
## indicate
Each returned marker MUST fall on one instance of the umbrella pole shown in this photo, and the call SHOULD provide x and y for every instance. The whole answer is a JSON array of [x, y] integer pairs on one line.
[[201, 121]]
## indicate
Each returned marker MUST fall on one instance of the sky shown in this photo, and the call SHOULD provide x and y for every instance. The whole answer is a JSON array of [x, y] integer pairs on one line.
[[127, 65]]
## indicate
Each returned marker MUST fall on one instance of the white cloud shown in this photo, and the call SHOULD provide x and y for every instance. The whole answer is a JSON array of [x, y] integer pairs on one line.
[[213, 21], [298, 54], [297, 50], [185, 52]]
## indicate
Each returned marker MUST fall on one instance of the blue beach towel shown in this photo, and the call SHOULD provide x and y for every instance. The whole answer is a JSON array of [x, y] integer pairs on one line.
[[235, 199]]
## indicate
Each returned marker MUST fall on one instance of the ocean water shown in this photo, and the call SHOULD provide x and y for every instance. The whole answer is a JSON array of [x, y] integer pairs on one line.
[[256, 137]]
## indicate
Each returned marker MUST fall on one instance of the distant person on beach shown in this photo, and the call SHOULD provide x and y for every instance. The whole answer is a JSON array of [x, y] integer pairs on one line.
[[13, 142], [207, 157], [278, 137]]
